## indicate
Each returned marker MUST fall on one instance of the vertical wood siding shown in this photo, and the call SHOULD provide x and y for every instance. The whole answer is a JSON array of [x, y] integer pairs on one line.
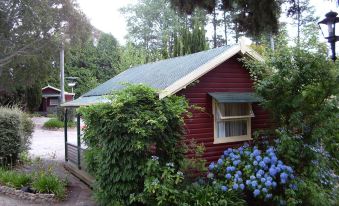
[[230, 76]]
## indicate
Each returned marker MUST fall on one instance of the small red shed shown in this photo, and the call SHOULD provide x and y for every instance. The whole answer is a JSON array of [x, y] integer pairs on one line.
[[51, 99], [215, 80]]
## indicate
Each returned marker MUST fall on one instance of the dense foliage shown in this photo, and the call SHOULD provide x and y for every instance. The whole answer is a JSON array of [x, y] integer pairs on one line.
[[121, 134], [30, 34], [300, 88], [15, 133], [166, 185], [260, 175]]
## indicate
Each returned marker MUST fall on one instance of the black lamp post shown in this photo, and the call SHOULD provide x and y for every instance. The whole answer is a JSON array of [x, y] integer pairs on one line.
[[330, 21]]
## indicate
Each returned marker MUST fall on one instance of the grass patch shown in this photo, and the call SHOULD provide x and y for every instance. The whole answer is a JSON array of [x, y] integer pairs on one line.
[[14, 179], [55, 124], [49, 183], [42, 182]]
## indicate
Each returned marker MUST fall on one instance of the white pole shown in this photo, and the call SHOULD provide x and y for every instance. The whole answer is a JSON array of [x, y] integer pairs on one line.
[[62, 74]]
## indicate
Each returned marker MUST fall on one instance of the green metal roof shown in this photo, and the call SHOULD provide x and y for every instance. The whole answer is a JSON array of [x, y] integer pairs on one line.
[[235, 97], [158, 75]]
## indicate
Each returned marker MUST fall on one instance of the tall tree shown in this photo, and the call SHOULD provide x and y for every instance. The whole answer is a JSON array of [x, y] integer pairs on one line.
[[154, 26], [249, 16], [30, 34], [302, 14]]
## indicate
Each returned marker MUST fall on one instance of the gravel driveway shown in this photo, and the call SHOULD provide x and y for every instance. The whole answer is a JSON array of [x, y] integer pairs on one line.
[[50, 144]]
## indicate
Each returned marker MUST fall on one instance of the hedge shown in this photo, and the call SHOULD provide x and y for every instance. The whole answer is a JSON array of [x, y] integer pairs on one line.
[[16, 130]]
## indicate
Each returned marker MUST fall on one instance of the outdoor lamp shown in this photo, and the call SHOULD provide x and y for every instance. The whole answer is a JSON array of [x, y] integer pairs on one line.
[[330, 21]]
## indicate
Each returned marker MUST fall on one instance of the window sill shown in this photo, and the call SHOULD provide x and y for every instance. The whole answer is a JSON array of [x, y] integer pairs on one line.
[[231, 139]]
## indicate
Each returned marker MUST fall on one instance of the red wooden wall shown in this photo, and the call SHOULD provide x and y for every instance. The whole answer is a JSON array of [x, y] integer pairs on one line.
[[230, 76]]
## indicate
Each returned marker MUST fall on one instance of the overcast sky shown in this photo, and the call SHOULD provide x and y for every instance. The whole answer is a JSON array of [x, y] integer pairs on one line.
[[105, 15]]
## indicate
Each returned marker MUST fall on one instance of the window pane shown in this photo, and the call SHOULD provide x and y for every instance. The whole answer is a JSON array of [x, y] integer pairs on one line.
[[240, 109], [232, 128]]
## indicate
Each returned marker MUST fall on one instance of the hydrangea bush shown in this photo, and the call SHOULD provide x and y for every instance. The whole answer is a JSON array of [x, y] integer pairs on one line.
[[256, 173]]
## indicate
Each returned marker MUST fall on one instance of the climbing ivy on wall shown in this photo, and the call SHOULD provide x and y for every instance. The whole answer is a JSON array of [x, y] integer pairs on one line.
[[123, 134]]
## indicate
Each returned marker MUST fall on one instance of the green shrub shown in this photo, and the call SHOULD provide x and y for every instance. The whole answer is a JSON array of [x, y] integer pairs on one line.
[[55, 124], [14, 179], [15, 133], [120, 136], [165, 185], [49, 183]]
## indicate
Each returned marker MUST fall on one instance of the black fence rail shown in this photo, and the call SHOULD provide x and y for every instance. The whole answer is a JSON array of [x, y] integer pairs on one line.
[[74, 153]]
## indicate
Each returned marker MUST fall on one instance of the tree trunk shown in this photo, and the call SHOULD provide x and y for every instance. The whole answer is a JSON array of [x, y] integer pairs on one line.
[[214, 29], [225, 27]]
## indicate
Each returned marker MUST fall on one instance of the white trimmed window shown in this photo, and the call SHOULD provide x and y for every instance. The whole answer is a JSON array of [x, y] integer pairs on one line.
[[232, 121], [53, 101]]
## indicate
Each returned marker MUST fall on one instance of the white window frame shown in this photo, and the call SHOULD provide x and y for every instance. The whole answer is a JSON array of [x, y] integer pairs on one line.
[[219, 140], [52, 100]]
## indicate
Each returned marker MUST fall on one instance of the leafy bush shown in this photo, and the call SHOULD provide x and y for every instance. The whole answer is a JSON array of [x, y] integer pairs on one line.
[[15, 133], [120, 136], [49, 183], [55, 124], [259, 175], [300, 88], [14, 179], [166, 185]]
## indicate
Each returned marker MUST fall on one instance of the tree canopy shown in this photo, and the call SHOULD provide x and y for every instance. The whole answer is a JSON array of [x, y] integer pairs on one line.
[[30, 33]]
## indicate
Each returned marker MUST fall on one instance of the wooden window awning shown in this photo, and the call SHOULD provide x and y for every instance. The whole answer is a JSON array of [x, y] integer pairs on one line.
[[235, 97]]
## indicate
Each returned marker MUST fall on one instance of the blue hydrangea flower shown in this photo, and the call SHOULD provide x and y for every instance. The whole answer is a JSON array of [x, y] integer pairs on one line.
[[272, 171], [242, 186], [263, 180], [254, 183], [264, 190], [293, 186], [235, 186], [274, 184], [252, 177], [255, 163], [283, 176], [268, 196], [268, 183], [239, 173], [267, 160], [258, 175], [211, 166], [224, 188], [248, 182], [256, 152], [262, 164], [256, 192], [274, 159], [258, 158], [220, 161], [261, 172], [228, 176]]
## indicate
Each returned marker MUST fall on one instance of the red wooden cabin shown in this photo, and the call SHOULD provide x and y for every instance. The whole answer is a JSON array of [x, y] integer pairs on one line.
[[215, 80], [51, 99]]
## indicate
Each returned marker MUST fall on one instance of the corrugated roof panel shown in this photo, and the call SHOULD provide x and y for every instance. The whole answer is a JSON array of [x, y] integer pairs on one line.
[[83, 101], [160, 74]]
